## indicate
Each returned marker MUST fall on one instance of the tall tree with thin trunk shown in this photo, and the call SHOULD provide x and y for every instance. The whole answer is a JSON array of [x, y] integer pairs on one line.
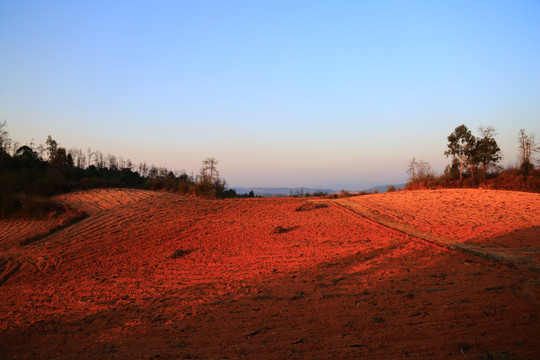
[[41, 150], [461, 145], [487, 150], [5, 142], [89, 153], [52, 148], [527, 149], [411, 170]]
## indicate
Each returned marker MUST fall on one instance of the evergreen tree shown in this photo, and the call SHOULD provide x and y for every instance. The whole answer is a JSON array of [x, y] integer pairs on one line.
[[52, 148]]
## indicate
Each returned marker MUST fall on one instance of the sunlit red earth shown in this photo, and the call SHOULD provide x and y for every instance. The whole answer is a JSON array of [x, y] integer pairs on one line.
[[156, 275]]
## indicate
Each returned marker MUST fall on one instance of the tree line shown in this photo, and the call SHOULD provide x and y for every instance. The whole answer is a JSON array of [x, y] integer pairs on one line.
[[475, 162], [42, 170]]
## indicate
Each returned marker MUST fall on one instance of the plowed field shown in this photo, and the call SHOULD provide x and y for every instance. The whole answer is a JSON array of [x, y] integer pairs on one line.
[[390, 276]]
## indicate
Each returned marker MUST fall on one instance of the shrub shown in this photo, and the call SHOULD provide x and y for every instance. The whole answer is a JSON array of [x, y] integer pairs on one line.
[[311, 206], [9, 204], [38, 206]]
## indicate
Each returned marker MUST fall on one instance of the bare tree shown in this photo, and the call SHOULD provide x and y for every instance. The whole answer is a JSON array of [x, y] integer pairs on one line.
[[74, 153], [100, 161], [209, 171], [208, 182], [527, 149], [41, 150], [129, 165], [79, 158], [14, 147], [163, 172], [112, 163], [153, 172], [5, 141], [89, 155], [143, 169], [121, 163], [411, 170], [419, 170]]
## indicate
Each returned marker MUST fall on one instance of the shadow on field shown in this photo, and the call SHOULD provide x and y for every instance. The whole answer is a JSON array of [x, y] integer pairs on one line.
[[382, 303], [521, 245]]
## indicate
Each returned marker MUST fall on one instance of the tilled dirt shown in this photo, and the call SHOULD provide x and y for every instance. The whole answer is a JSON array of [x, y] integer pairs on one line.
[[469, 215], [155, 275], [499, 224]]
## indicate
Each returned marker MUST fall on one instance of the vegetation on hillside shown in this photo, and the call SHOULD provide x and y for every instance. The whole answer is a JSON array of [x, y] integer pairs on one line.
[[475, 163], [31, 172]]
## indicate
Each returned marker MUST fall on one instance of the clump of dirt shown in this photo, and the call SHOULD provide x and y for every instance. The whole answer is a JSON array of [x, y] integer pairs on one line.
[[281, 230], [178, 253]]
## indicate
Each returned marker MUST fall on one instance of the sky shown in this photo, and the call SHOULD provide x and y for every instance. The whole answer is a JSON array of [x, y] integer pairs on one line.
[[282, 93]]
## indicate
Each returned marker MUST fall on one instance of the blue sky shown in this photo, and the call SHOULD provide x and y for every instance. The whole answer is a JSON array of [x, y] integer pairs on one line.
[[282, 93]]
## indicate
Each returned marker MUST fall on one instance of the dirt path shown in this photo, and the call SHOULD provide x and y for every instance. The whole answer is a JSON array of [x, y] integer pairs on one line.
[[507, 255]]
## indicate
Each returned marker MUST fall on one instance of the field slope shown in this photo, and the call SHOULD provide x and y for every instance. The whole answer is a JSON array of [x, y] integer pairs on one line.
[[156, 275]]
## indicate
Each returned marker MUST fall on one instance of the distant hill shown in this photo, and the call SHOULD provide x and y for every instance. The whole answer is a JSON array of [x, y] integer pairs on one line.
[[278, 191], [382, 188], [286, 191]]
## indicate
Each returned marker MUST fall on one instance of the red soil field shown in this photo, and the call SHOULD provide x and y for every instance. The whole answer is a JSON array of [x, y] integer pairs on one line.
[[469, 215], [486, 219], [151, 275]]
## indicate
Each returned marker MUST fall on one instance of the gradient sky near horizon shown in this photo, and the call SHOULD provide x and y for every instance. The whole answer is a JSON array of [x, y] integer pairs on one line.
[[282, 93]]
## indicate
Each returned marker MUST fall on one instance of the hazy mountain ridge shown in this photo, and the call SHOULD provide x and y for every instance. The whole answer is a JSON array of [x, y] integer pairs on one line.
[[286, 191], [278, 191], [383, 188]]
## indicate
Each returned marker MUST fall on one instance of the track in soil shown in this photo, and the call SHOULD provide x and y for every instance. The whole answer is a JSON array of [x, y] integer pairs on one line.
[[506, 256]]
